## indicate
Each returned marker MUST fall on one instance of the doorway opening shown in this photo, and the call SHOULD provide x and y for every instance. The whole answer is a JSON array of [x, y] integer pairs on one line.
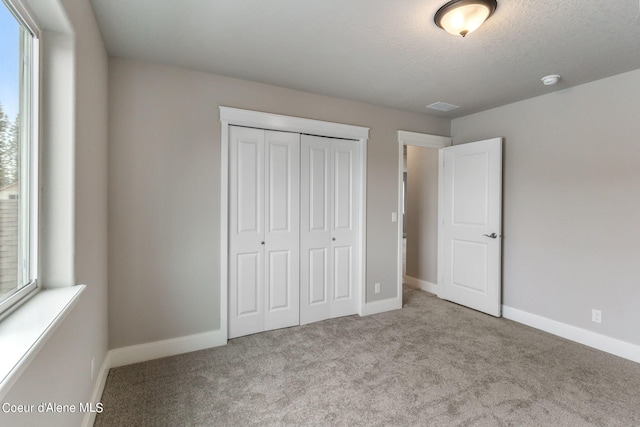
[[418, 205]]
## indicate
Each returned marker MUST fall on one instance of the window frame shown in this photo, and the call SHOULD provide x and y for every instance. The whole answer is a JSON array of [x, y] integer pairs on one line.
[[29, 190]]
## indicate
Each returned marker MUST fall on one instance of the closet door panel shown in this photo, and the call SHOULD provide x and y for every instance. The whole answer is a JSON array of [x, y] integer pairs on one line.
[[318, 276], [315, 229], [249, 283], [342, 277], [318, 163], [282, 237], [247, 158], [280, 281], [345, 226], [343, 189], [246, 231]]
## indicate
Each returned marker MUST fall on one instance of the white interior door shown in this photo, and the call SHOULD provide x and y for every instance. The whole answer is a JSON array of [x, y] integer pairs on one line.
[[470, 225], [329, 219], [263, 230]]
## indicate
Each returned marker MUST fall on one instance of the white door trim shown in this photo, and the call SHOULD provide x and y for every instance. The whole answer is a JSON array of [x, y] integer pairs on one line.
[[420, 140], [239, 117]]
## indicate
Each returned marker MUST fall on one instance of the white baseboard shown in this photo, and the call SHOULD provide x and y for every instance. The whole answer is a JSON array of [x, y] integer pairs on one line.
[[415, 283], [98, 388], [171, 347], [592, 339], [381, 306]]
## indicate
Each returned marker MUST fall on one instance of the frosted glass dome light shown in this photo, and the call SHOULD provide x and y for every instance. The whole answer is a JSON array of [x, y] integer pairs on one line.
[[461, 17]]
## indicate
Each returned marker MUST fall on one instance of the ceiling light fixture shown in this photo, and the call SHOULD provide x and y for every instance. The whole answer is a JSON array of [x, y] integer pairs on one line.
[[461, 17], [442, 106], [550, 80]]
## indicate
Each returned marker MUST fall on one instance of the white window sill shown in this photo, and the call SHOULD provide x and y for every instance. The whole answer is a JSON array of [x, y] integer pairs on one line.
[[24, 332]]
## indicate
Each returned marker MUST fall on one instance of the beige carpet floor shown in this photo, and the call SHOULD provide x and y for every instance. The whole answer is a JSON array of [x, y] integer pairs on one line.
[[433, 363]]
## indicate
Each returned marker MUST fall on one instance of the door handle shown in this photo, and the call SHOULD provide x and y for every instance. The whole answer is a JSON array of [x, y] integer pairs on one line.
[[491, 236]]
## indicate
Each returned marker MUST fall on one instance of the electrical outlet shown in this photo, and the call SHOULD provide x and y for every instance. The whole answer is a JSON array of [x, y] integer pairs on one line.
[[376, 288], [596, 316], [93, 368]]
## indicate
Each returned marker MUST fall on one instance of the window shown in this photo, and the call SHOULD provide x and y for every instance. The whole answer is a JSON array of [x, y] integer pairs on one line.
[[18, 153]]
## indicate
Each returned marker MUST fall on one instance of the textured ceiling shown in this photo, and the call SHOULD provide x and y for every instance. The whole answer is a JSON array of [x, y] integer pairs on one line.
[[383, 52]]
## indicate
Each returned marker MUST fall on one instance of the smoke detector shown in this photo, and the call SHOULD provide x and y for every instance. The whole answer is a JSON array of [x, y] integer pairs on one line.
[[550, 79]]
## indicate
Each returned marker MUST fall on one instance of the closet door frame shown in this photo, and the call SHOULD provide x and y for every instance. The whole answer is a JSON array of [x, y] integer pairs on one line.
[[239, 117]]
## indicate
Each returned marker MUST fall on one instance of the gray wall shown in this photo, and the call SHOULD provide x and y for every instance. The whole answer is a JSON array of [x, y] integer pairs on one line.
[[164, 160], [422, 213], [571, 202], [61, 370]]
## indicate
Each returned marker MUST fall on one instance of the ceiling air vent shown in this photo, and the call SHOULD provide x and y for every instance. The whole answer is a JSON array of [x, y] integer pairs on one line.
[[442, 106]]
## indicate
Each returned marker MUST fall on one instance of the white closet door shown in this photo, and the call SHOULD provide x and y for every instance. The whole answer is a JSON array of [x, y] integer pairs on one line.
[[329, 218], [345, 226], [282, 230], [315, 230], [246, 231], [263, 230]]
